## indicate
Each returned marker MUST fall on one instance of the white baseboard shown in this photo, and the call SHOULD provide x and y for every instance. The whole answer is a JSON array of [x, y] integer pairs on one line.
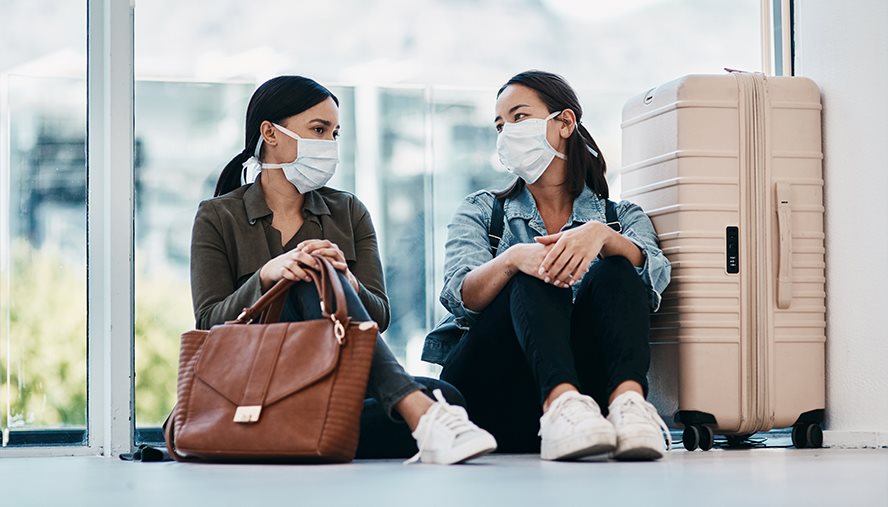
[[855, 439]]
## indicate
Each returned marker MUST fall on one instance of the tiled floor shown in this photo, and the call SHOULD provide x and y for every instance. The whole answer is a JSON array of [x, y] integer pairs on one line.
[[834, 477]]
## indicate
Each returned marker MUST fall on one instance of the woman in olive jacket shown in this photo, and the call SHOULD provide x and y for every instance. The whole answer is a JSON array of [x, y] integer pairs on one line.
[[271, 212]]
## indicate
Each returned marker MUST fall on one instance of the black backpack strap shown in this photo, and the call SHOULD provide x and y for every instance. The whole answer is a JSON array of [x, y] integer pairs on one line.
[[497, 224], [610, 212], [610, 217]]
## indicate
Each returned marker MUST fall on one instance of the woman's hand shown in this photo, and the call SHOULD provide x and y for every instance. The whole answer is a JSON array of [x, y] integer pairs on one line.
[[527, 257], [332, 253], [290, 265], [571, 252], [483, 283]]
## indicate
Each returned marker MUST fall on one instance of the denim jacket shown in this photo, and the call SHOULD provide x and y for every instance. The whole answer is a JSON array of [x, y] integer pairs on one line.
[[467, 242]]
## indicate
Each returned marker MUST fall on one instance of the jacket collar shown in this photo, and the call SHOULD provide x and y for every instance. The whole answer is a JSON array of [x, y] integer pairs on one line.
[[256, 206], [586, 208]]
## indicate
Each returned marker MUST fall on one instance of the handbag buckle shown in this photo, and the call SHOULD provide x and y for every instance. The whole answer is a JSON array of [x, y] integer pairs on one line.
[[338, 330], [247, 413]]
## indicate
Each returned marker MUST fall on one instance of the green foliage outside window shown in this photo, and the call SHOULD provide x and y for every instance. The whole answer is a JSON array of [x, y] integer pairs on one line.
[[46, 333]]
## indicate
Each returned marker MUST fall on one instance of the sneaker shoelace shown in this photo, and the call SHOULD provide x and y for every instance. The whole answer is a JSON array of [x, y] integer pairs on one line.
[[574, 409], [444, 414], [633, 411]]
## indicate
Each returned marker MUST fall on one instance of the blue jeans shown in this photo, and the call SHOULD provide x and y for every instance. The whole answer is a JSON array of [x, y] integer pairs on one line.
[[383, 433]]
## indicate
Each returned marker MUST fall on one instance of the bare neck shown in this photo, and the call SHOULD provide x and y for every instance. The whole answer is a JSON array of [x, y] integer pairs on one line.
[[550, 191], [280, 195]]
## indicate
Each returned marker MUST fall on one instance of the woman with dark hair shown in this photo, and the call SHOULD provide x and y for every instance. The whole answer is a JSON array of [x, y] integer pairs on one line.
[[270, 213], [558, 315]]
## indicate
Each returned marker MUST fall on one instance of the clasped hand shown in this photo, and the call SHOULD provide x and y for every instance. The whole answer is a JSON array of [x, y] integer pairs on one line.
[[292, 265], [562, 259]]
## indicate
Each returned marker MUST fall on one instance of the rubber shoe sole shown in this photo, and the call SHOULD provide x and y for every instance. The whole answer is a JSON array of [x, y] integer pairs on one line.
[[469, 450], [579, 446], [640, 448]]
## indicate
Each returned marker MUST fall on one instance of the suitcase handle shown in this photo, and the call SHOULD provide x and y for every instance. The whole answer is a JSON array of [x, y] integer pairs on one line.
[[784, 224]]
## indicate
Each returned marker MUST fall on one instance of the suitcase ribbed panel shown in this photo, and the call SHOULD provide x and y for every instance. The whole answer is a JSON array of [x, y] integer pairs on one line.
[[799, 331], [686, 156]]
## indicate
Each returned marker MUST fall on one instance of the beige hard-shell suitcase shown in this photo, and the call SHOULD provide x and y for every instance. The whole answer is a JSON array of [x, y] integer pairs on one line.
[[729, 168]]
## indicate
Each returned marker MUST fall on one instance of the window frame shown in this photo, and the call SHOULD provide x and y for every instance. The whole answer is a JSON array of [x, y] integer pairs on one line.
[[110, 225], [778, 48]]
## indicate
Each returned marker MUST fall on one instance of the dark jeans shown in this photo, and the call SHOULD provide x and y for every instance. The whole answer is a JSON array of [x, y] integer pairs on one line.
[[531, 338], [383, 433]]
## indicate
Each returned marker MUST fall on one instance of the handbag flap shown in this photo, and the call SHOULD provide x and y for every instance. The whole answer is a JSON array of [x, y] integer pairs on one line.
[[232, 358]]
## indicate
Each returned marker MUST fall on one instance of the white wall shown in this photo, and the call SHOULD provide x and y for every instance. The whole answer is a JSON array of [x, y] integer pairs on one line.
[[843, 46]]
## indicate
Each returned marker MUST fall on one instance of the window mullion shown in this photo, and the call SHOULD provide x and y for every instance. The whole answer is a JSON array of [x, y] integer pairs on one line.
[[110, 134]]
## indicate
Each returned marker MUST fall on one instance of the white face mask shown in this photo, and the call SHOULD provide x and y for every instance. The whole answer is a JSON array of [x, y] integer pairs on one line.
[[315, 163], [524, 149]]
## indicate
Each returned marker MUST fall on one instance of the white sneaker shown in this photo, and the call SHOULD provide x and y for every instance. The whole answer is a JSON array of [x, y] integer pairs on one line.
[[573, 427], [445, 435], [639, 427]]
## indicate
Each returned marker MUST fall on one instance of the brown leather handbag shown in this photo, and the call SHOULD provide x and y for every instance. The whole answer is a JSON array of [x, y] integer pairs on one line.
[[274, 391]]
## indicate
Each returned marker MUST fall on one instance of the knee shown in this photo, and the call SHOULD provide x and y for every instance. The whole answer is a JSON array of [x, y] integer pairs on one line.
[[522, 279], [353, 302], [526, 282], [614, 281], [451, 393], [346, 285], [300, 294], [520, 282], [617, 271], [301, 287]]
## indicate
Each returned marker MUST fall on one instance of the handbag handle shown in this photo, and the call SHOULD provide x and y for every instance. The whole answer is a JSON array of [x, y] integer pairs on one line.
[[329, 287], [272, 312]]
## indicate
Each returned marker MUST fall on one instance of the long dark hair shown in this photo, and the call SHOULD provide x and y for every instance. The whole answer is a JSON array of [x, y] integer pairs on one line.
[[583, 167], [277, 99]]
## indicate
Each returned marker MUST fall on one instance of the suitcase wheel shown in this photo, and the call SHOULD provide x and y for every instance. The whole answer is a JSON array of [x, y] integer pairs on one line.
[[807, 436], [695, 436]]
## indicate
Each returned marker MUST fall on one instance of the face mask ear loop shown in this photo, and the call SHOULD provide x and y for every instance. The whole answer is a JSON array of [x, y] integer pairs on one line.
[[548, 145], [282, 129], [258, 146], [287, 131]]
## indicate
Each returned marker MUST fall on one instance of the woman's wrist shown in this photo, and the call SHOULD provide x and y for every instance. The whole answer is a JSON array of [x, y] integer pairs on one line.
[[265, 282], [615, 244], [608, 233], [509, 262]]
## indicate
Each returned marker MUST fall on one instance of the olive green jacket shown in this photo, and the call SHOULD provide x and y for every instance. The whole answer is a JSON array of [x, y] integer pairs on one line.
[[232, 239]]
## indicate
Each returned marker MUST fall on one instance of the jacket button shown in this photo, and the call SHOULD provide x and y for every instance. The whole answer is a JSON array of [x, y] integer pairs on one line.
[[253, 222]]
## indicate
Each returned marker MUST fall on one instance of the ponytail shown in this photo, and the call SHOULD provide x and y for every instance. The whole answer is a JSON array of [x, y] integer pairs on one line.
[[230, 179], [588, 155]]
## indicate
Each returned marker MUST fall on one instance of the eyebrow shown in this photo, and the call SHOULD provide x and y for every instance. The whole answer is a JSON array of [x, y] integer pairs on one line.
[[511, 110], [323, 122]]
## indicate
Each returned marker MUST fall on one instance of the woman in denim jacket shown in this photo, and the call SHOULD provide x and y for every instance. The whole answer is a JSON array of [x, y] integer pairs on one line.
[[558, 318]]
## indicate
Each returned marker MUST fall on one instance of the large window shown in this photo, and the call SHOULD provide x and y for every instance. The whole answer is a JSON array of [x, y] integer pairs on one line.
[[417, 81], [42, 222]]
